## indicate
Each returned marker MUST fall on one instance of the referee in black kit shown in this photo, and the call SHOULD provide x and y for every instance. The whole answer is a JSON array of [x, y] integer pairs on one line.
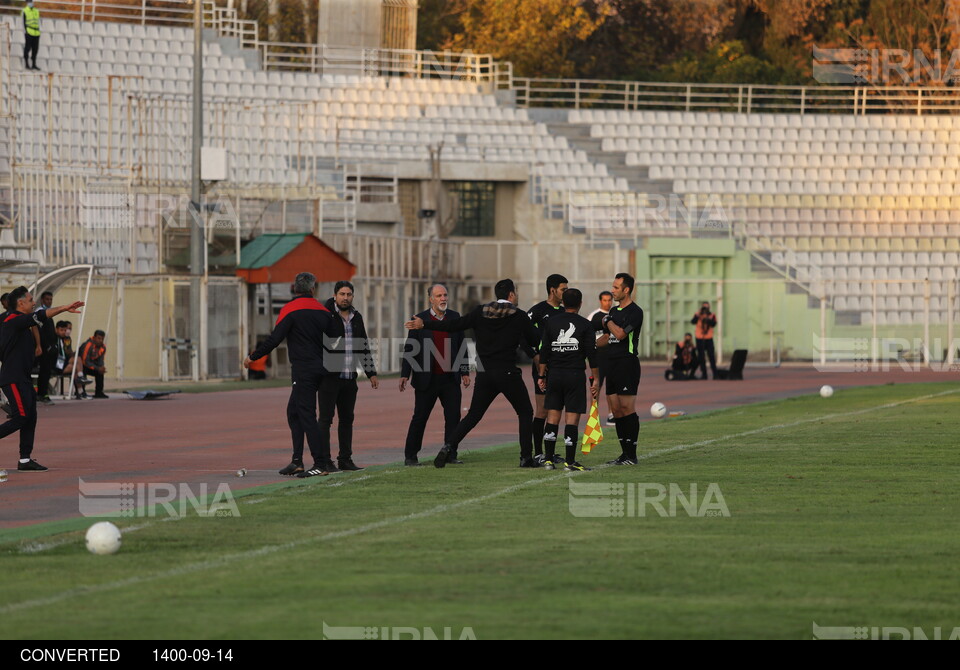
[[568, 341], [539, 315], [303, 322], [17, 352], [501, 327], [621, 337]]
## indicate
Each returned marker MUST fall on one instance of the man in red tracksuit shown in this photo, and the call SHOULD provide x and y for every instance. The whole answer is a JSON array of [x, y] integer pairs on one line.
[[303, 322], [17, 351]]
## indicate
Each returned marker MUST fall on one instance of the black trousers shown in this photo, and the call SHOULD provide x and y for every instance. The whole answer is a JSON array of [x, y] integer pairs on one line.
[[23, 415], [707, 346], [98, 377], [446, 389], [486, 388], [30, 48], [338, 395], [45, 371], [302, 418]]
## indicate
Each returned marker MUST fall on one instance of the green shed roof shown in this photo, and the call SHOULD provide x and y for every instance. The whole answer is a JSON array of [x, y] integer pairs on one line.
[[267, 249]]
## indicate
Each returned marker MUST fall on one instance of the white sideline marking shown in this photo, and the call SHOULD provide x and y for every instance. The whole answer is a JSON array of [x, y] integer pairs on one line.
[[778, 426], [433, 511], [38, 547]]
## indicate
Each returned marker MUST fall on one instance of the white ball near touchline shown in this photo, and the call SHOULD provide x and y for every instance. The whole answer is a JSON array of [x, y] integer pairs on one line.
[[103, 538], [826, 391], [658, 410]]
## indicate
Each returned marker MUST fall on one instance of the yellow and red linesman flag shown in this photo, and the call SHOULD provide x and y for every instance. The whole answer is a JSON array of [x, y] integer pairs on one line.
[[593, 433]]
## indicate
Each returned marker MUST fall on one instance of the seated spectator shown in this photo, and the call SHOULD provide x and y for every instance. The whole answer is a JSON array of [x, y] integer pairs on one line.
[[685, 357], [63, 366], [92, 358]]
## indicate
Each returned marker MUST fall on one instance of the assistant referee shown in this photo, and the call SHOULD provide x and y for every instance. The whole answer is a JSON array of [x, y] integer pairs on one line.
[[568, 341]]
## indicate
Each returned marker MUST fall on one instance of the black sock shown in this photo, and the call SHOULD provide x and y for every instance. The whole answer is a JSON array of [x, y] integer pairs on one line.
[[538, 427], [631, 424], [570, 438], [621, 427], [549, 437]]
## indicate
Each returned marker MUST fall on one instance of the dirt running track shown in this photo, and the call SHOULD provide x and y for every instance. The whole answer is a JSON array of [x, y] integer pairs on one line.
[[207, 437]]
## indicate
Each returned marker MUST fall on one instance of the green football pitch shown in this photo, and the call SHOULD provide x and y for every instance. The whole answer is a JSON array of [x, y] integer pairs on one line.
[[784, 515]]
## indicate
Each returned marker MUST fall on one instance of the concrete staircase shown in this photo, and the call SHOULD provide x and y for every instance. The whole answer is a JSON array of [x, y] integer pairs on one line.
[[578, 137]]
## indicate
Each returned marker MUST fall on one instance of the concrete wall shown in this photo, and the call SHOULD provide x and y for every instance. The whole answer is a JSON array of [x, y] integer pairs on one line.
[[354, 23]]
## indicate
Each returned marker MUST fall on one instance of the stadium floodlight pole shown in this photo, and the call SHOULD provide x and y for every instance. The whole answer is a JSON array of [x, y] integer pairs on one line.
[[197, 237]]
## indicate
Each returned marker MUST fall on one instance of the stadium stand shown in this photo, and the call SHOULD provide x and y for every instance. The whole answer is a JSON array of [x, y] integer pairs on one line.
[[850, 199], [830, 202], [334, 115]]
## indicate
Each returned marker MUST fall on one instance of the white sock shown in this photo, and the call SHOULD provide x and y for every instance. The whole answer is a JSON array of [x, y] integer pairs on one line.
[[24, 460]]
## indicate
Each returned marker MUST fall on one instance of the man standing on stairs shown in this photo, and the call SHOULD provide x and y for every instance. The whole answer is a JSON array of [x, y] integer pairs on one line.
[[31, 26]]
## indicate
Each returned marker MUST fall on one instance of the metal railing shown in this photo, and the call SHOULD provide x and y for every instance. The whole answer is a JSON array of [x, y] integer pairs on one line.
[[325, 59], [103, 142], [749, 237], [5, 79], [226, 22], [528, 91], [395, 257], [143, 12], [177, 13], [371, 188], [739, 98], [602, 214]]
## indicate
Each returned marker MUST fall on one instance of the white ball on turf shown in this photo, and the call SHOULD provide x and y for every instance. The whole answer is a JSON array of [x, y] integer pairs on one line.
[[658, 410], [826, 391], [103, 538]]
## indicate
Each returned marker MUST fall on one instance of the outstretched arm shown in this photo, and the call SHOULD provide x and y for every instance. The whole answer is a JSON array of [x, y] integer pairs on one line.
[[269, 344], [73, 308], [447, 325]]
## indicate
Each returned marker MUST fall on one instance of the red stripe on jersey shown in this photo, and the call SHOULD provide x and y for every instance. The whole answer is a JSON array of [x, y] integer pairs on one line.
[[304, 302], [12, 316]]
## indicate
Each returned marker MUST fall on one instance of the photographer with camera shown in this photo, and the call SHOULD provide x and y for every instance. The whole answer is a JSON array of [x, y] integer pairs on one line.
[[705, 321]]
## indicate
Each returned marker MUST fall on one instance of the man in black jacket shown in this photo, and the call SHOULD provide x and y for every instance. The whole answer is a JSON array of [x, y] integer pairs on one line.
[[431, 365], [303, 322], [17, 351], [338, 389], [500, 328], [48, 344]]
